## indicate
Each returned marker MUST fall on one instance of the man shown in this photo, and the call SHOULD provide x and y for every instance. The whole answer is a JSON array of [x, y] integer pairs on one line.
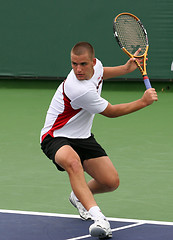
[[66, 137]]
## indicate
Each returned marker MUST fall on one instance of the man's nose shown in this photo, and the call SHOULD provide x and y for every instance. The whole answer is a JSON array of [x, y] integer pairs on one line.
[[78, 68]]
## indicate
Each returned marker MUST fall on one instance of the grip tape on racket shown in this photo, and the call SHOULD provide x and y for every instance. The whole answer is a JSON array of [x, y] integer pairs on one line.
[[147, 82]]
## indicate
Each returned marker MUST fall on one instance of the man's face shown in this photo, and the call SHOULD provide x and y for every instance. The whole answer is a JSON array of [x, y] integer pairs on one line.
[[83, 66]]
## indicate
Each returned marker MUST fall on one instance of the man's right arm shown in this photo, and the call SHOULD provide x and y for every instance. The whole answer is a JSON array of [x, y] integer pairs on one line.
[[118, 110]]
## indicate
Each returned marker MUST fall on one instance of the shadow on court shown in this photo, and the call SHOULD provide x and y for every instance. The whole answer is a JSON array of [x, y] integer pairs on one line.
[[39, 226]]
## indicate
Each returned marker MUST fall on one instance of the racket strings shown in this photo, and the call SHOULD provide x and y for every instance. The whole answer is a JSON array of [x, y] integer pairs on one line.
[[131, 34]]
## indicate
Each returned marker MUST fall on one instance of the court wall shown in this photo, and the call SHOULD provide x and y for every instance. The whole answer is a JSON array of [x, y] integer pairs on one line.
[[37, 36]]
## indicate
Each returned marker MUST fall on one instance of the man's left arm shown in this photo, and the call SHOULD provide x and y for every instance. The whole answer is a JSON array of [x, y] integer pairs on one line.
[[129, 66]]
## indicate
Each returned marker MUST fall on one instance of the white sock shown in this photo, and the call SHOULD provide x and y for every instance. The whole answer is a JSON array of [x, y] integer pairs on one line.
[[96, 213]]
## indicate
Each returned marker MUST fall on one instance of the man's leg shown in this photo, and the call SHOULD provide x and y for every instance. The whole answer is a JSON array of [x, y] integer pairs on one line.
[[104, 174], [105, 179], [68, 159]]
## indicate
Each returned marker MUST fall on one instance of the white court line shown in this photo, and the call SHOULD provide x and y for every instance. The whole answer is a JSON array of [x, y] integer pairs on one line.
[[113, 230], [39, 213], [77, 216], [128, 226]]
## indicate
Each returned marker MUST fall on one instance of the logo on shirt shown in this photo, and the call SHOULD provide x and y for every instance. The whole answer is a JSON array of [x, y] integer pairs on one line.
[[100, 79]]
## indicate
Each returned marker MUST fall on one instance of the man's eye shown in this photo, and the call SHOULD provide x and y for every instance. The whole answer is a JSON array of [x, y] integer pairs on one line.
[[75, 64], [83, 64]]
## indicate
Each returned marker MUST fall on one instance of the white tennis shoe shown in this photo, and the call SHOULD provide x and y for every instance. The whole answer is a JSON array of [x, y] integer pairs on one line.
[[101, 229], [84, 214]]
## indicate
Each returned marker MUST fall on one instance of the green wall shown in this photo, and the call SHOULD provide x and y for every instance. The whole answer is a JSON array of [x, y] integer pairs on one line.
[[37, 35]]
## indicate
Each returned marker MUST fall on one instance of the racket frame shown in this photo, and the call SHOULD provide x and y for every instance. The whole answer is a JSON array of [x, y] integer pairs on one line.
[[144, 56]]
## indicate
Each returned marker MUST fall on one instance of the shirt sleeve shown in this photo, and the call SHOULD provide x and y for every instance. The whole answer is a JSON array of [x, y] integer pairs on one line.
[[90, 101]]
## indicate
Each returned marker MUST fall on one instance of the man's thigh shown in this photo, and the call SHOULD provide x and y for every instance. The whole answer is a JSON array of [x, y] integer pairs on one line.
[[101, 169]]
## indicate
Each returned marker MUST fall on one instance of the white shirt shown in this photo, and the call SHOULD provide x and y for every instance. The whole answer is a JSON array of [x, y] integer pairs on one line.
[[74, 106]]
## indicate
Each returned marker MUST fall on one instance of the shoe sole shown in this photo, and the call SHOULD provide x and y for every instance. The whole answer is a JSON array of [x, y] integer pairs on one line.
[[100, 233]]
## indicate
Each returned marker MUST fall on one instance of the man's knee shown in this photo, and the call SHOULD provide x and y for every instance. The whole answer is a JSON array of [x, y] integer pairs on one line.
[[68, 159], [74, 166], [113, 182]]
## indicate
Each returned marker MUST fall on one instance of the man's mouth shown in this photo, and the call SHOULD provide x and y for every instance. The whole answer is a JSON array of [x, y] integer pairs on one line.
[[80, 75]]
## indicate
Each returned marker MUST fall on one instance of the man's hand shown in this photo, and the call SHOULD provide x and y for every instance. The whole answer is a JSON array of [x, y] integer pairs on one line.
[[131, 65], [150, 95]]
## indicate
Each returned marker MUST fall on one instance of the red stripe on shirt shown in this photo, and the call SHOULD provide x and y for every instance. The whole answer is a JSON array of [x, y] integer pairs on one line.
[[64, 117]]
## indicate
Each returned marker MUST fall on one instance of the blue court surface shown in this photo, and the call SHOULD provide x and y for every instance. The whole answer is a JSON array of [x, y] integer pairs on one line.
[[21, 225]]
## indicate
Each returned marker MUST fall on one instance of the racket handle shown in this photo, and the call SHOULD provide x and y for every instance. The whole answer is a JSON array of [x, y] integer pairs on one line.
[[147, 82]]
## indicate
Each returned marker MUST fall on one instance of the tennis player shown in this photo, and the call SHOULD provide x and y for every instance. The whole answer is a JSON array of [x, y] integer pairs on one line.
[[66, 137]]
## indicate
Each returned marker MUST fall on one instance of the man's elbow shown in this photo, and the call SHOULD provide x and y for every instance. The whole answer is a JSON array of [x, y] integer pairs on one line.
[[109, 112]]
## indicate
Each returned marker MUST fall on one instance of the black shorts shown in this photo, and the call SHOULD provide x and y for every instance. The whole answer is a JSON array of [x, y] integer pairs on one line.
[[86, 148]]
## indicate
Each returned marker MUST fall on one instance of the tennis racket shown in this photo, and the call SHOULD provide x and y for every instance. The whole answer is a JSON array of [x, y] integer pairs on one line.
[[131, 35]]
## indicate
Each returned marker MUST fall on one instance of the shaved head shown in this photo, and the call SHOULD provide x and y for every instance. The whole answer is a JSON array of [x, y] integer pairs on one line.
[[83, 48]]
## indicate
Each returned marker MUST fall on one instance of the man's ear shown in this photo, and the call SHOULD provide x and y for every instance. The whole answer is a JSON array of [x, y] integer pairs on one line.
[[94, 61]]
